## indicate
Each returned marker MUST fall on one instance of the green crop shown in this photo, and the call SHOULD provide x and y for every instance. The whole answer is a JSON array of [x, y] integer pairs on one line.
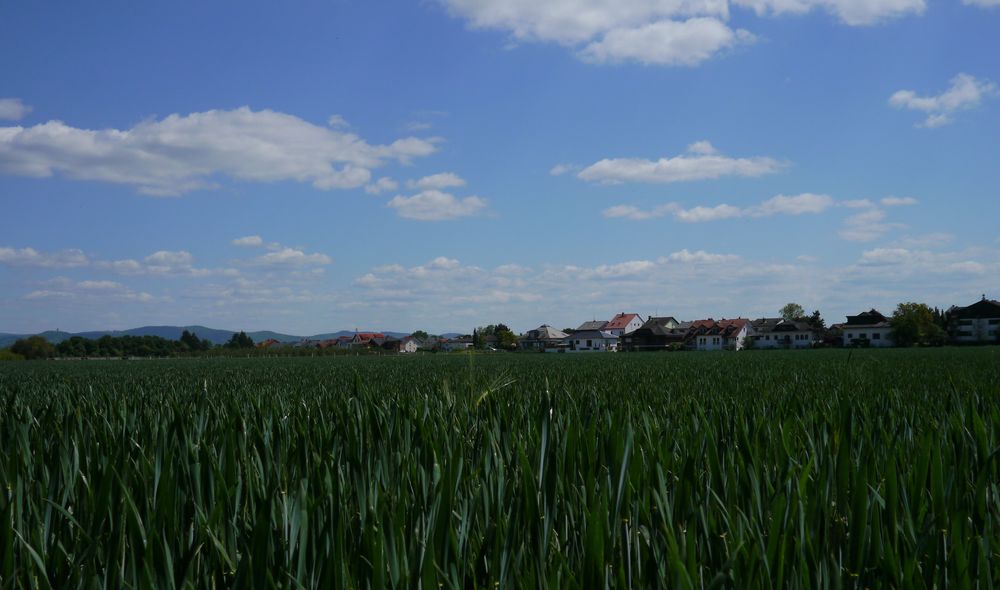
[[825, 469]]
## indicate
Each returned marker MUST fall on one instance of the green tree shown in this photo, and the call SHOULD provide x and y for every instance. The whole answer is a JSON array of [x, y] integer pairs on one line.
[[816, 321], [34, 347], [420, 335], [913, 325], [506, 338], [792, 311], [240, 340]]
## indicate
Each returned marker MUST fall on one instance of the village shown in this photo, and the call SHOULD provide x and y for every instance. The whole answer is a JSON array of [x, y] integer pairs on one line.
[[629, 332]]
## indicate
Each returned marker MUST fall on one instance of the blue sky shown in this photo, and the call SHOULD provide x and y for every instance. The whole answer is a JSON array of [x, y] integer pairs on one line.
[[444, 164]]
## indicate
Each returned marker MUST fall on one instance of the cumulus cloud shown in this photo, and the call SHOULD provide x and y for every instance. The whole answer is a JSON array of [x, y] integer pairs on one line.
[[12, 109], [667, 42], [850, 12], [560, 169], [249, 242], [94, 291], [867, 226], [655, 32], [182, 153], [898, 201], [382, 185], [806, 203], [437, 181], [291, 257], [435, 205], [701, 162], [966, 92], [163, 263], [31, 257]]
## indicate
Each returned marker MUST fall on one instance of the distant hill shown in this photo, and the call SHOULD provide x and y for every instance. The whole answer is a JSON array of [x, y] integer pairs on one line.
[[213, 335]]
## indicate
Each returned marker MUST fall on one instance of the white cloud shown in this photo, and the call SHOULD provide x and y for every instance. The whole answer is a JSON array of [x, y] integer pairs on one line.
[[897, 201], [437, 181], [701, 214], [699, 164], [698, 257], [660, 32], [182, 153], [12, 109], [666, 42], [337, 121], [381, 185], [703, 147], [560, 169], [981, 3], [851, 12], [89, 291], [249, 242], [806, 203], [867, 226], [965, 92], [163, 263], [31, 257], [291, 257], [433, 205]]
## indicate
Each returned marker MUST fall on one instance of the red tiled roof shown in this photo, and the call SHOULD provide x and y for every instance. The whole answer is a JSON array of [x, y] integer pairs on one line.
[[620, 321]]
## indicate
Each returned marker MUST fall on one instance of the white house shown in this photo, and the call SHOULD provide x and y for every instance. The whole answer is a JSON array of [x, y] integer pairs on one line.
[[976, 323], [869, 328], [592, 341], [623, 323], [720, 335], [782, 333]]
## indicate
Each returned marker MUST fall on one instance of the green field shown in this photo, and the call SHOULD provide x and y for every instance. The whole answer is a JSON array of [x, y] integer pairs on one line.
[[756, 469]]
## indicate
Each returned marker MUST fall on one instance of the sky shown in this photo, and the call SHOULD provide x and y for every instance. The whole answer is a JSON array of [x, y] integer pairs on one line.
[[314, 166]]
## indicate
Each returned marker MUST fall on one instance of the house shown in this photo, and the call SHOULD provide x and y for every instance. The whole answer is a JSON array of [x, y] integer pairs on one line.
[[268, 343], [367, 339], [719, 335], [868, 328], [782, 333], [976, 323], [452, 344], [592, 341], [407, 344], [543, 338], [624, 323], [589, 326], [656, 333]]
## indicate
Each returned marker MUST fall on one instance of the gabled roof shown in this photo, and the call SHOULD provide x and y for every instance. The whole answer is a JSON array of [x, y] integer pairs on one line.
[[544, 332], [621, 321], [765, 325], [870, 318], [592, 335], [982, 309], [594, 325], [658, 326]]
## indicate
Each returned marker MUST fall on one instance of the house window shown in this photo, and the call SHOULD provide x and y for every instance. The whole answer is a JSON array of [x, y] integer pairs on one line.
[[588, 344], [876, 336], [993, 322], [850, 336]]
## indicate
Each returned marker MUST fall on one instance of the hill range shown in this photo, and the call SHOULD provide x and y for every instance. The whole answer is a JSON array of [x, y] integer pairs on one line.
[[215, 336]]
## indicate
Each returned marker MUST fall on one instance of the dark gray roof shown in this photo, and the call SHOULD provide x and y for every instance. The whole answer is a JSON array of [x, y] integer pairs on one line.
[[985, 308], [765, 325], [593, 325], [592, 335]]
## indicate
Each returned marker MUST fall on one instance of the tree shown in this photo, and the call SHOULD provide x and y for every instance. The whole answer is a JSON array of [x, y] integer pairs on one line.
[[913, 324], [240, 340], [191, 340], [420, 335], [506, 338], [816, 322], [792, 311], [34, 347]]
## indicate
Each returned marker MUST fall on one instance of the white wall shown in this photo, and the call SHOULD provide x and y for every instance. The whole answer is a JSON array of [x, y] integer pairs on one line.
[[977, 330], [877, 337]]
